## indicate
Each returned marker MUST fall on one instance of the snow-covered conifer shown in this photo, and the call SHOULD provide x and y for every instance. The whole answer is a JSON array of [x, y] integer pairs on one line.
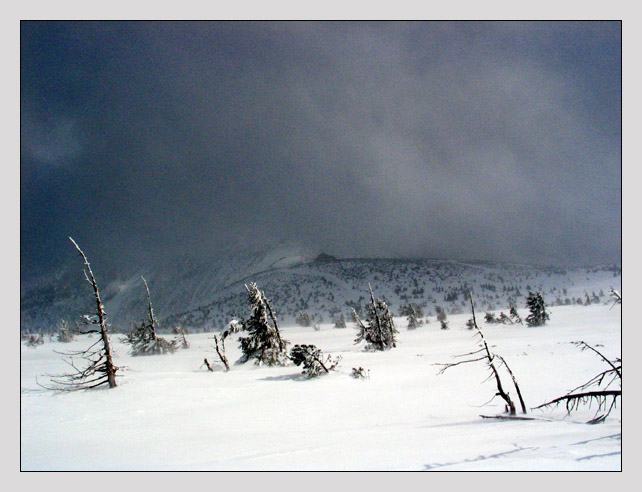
[[441, 317], [538, 315], [514, 315], [64, 332], [490, 318], [143, 337], [304, 319], [312, 360], [414, 314], [264, 343], [379, 332]]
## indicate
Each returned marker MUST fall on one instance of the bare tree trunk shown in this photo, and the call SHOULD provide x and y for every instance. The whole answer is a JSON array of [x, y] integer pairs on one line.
[[273, 317], [519, 393], [150, 311], [376, 314], [110, 369], [491, 364], [221, 352]]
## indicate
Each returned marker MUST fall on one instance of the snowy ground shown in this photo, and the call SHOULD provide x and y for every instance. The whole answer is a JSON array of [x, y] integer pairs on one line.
[[169, 413]]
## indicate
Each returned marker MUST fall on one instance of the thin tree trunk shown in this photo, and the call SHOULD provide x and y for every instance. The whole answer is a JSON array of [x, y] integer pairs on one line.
[[500, 389], [110, 369], [273, 317], [519, 393], [150, 311], [376, 314], [221, 353]]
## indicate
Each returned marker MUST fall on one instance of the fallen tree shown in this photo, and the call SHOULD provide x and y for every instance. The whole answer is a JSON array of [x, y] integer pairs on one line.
[[603, 397]]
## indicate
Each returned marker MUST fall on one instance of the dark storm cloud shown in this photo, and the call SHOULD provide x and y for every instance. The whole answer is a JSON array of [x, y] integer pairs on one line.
[[472, 140]]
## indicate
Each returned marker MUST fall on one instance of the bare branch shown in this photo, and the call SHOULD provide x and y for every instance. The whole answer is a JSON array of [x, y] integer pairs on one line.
[[587, 346]]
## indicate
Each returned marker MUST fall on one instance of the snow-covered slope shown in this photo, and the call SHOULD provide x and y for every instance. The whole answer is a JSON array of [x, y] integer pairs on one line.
[[206, 293], [170, 413]]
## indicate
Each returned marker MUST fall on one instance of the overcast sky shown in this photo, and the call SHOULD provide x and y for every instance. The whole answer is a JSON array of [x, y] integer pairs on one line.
[[496, 141]]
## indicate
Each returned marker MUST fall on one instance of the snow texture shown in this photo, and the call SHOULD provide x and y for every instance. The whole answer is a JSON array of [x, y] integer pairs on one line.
[[170, 413]]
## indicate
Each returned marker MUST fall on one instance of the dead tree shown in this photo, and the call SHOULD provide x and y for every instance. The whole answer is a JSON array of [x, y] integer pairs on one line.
[[64, 332], [98, 368], [602, 396], [220, 350], [207, 364], [483, 354]]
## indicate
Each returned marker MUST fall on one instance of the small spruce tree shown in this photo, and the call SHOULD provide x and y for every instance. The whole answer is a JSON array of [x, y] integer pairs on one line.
[[538, 315], [64, 332], [34, 340], [514, 315], [312, 360], [143, 337], [414, 314], [340, 321], [304, 319], [379, 330], [441, 317], [264, 343]]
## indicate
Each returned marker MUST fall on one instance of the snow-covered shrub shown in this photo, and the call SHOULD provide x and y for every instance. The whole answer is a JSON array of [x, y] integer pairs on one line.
[[490, 318], [34, 340], [360, 373], [312, 360], [514, 315], [143, 338], [144, 341]]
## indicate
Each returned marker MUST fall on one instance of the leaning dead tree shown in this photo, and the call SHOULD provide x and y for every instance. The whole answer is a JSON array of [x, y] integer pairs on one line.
[[235, 327], [98, 368], [493, 361], [595, 390]]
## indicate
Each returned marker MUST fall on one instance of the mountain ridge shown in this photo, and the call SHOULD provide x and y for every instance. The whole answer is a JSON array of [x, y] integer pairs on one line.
[[206, 293]]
